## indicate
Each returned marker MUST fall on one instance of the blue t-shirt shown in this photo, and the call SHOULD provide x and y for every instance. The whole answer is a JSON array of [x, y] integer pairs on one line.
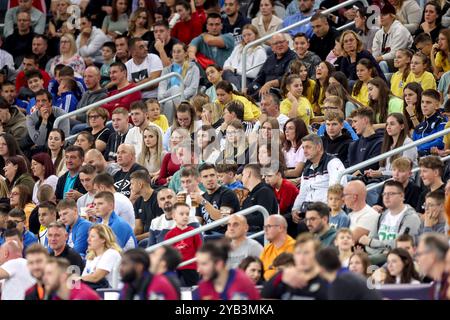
[[121, 229], [219, 55], [235, 185], [70, 181], [341, 220]]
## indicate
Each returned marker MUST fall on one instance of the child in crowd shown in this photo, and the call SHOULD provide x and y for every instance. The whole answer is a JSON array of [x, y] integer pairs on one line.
[[35, 83], [419, 66], [187, 247], [338, 218], [66, 92], [295, 105], [227, 174], [402, 61], [155, 116], [446, 151], [108, 54], [365, 71], [344, 243]]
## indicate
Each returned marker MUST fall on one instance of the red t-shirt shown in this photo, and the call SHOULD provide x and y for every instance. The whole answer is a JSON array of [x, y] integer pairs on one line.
[[238, 287], [81, 291], [168, 168], [200, 13], [21, 80], [187, 247], [286, 195], [161, 289], [123, 102], [185, 31]]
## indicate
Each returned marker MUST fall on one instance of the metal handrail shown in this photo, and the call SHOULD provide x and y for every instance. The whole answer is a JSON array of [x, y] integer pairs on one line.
[[392, 153], [292, 26], [345, 26], [120, 95], [253, 236], [209, 226], [414, 170]]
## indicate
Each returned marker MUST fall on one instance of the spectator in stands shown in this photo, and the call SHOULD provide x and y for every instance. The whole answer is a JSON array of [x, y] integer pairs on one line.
[[295, 104], [323, 37], [67, 99], [69, 185], [321, 171], [164, 261], [94, 93], [227, 174], [17, 173], [140, 284], [40, 122], [36, 256], [120, 125], [434, 219], [19, 41], [14, 273], [241, 246], [359, 263], [68, 55], [77, 227], [431, 173], [155, 116], [306, 10], [317, 220], [37, 18], [365, 31], [126, 159], [152, 150], [9, 93], [285, 191], [18, 218], [408, 13], [117, 22], [212, 46], [163, 44], [253, 268], [336, 139], [43, 169], [146, 205], [430, 256], [309, 59], [20, 198], [335, 200], [433, 122], [346, 285], [170, 164], [96, 159], [55, 143], [400, 267], [12, 121], [275, 230], [363, 219], [270, 107], [58, 280], [140, 25], [207, 143], [35, 83], [143, 67], [370, 141], [189, 26], [439, 53], [190, 74], [344, 245], [118, 75], [104, 207], [424, 44], [29, 62], [274, 68], [268, 21], [57, 240], [185, 118], [46, 215], [122, 51], [90, 41], [294, 131], [212, 259], [234, 21]]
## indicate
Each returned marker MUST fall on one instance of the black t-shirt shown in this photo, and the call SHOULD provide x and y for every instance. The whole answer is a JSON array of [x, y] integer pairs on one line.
[[412, 192], [421, 200], [222, 197], [73, 257], [102, 135], [349, 286], [122, 179], [148, 210]]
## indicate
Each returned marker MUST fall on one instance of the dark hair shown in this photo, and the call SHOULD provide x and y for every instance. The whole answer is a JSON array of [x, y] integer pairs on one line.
[[11, 144], [318, 16], [213, 15], [388, 141], [45, 160], [41, 36], [301, 35], [24, 195], [300, 131], [17, 213], [409, 272], [317, 89], [139, 105], [120, 65], [328, 259], [67, 71], [59, 158], [31, 56], [433, 94], [184, 4], [342, 79], [77, 149], [48, 205], [115, 12], [396, 184], [89, 137], [206, 166], [417, 89], [111, 45], [71, 84], [237, 108], [438, 9], [33, 73], [189, 171], [162, 23], [87, 169], [321, 208], [364, 112], [142, 175], [405, 237], [283, 259], [248, 260], [373, 73], [106, 195], [433, 163], [21, 164], [171, 257], [255, 168], [227, 167], [36, 248], [422, 37], [104, 179], [381, 104], [437, 195], [4, 104], [138, 256], [365, 15]]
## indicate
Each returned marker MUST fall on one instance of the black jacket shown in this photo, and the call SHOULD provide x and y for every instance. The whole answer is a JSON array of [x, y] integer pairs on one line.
[[62, 181], [114, 141], [323, 46], [364, 149], [339, 146]]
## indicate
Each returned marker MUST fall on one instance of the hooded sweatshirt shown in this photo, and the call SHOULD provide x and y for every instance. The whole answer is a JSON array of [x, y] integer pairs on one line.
[[339, 146], [16, 124], [365, 148], [429, 126]]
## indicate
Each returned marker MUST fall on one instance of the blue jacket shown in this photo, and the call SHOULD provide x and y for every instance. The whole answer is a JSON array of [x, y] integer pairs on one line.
[[68, 101], [53, 88], [28, 239], [121, 229], [80, 232], [429, 126]]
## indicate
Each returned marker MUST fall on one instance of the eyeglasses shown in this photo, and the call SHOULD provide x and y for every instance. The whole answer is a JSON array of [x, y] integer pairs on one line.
[[268, 226], [389, 194], [95, 116], [278, 43]]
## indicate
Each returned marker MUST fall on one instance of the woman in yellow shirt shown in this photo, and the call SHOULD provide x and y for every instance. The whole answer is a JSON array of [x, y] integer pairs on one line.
[[155, 116], [226, 94], [402, 61], [440, 53], [298, 67], [419, 73], [295, 105], [365, 71]]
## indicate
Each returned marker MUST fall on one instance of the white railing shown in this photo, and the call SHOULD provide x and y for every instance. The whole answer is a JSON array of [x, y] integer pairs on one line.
[[123, 94], [292, 26]]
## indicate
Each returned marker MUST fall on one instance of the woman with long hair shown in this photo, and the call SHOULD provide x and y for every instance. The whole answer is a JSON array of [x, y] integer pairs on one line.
[[402, 62], [431, 21], [256, 56], [56, 141], [412, 97], [188, 26], [253, 268], [236, 148], [214, 75], [400, 268], [43, 169], [140, 25], [152, 150], [68, 55], [20, 198], [323, 73], [55, 24], [16, 172], [117, 22], [366, 32], [440, 53], [85, 140], [295, 104], [103, 256], [419, 66], [294, 131], [186, 118], [339, 77], [212, 115], [365, 71], [359, 263], [267, 22], [207, 144], [299, 68], [396, 135], [8, 148], [382, 101]]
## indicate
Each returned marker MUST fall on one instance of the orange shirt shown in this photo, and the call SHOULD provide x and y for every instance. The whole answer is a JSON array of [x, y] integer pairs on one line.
[[270, 252]]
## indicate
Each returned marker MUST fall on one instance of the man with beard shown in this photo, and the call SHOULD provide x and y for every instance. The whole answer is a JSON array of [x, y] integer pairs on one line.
[[139, 283], [306, 10], [233, 21], [219, 282], [36, 256]]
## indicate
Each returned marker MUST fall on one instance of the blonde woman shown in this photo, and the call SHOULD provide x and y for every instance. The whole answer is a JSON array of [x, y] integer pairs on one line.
[[212, 115], [68, 55], [103, 256], [236, 146], [152, 150]]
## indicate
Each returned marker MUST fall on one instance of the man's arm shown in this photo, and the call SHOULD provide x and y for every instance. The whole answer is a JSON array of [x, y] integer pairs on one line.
[[214, 41], [3, 274], [358, 233], [159, 46]]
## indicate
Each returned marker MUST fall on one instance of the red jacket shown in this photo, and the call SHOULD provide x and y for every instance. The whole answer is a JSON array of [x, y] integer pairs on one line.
[[21, 80], [286, 195], [185, 31], [187, 247], [123, 102]]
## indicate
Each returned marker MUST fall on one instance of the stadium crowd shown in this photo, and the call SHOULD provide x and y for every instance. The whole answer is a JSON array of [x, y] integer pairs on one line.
[[83, 194]]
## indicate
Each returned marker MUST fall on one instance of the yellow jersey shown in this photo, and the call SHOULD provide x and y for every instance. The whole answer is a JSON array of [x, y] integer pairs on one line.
[[363, 95], [442, 62], [304, 109], [426, 80]]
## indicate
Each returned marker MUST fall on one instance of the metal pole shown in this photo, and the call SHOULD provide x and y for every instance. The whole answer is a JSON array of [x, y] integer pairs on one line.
[[345, 26], [170, 98]]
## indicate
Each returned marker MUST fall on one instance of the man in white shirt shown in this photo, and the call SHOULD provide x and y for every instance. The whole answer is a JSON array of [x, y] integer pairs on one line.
[[86, 201], [270, 107], [14, 272], [90, 41], [143, 67], [363, 219]]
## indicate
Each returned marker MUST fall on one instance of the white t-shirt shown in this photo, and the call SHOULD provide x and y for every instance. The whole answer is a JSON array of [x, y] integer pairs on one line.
[[367, 218], [140, 72], [109, 260], [51, 180], [294, 157], [19, 281], [124, 209], [389, 226]]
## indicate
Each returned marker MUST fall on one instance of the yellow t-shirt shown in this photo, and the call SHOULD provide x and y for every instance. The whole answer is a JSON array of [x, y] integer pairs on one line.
[[442, 62], [251, 111], [447, 136], [308, 94], [363, 95], [270, 252], [397, 84], [162, 122], [304, 109], [426, 80], [317, 107]]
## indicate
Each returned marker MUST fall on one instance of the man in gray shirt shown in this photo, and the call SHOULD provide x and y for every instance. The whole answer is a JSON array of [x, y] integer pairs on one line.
[[241, 246], [37, 18]]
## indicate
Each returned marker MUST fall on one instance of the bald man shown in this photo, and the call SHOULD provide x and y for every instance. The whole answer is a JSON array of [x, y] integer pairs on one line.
[[126, 159], [94, 93], [95, 158], [275, 230], [241, 246], [14, 272], [363, 219]]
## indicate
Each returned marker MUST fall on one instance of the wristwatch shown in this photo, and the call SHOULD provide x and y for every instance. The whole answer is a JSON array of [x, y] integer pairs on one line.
[[203, 202]]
